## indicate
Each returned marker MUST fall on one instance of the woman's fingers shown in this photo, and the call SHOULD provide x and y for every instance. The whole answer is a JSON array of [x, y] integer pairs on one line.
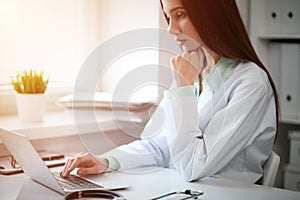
[[94, 169], [83, 160], [64, 172], [194, 59], [77, 162], [187, 67], [178, 70], [66, 167]]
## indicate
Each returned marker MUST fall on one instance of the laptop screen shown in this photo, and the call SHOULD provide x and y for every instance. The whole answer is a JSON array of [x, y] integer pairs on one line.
[[28, 158]]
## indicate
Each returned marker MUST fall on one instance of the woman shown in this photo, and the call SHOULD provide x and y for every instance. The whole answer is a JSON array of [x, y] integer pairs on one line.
[[228, 127]]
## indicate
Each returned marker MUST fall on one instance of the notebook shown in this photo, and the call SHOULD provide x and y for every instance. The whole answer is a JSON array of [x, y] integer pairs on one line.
[[104, 100], [32, 164]]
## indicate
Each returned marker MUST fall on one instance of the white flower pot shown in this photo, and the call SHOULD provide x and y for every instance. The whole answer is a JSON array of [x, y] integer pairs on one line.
[[31, 107]]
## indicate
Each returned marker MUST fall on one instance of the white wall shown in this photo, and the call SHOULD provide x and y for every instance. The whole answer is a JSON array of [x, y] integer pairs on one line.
[[120, 16], [244, 11]]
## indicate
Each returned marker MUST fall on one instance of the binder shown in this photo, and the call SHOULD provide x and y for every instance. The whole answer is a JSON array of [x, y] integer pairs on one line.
[[274, 16], [289, 85], [274, 63], [291, 16]]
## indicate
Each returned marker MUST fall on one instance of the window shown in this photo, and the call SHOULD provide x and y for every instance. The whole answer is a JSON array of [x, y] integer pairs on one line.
[[53, 35], [58, 35]]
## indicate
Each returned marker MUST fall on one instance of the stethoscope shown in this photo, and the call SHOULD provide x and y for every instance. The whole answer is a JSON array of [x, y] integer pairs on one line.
[[104, 194], [189, 194], [107, 194]]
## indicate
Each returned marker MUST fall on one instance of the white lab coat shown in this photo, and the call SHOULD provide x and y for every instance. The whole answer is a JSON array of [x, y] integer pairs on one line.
[[228, 132]]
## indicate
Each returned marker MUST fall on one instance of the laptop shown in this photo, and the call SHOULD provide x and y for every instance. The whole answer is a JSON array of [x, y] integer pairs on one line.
[[33, 165]]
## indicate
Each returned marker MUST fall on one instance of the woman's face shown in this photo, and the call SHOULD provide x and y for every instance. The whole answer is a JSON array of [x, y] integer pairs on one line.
[[180, 25]]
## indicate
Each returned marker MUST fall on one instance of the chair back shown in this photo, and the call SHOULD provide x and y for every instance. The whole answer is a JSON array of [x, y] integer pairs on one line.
[[270, 170]]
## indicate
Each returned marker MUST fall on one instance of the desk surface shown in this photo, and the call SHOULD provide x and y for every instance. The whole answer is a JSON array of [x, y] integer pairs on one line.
[[149, 183]]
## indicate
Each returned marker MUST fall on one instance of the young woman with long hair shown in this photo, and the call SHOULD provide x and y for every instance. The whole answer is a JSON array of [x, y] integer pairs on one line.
[[228, 126]]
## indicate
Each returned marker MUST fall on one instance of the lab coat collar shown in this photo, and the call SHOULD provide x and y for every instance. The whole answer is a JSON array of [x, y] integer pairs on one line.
[[219, 74]]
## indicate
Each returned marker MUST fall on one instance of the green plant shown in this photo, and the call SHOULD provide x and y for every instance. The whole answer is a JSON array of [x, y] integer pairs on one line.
[[30, 82]]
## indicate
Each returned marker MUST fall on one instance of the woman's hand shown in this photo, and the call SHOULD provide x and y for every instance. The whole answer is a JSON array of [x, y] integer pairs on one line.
[[86, 163], [187, 67]]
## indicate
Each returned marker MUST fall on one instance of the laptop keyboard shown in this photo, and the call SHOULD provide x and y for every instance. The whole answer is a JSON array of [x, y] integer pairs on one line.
[[75, 182]]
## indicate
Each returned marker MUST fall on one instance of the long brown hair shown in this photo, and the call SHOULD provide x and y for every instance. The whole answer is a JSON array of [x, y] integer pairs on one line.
[[220, 26]]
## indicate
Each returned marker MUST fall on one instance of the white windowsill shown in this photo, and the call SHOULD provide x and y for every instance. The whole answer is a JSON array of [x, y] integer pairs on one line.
[[62, 123]]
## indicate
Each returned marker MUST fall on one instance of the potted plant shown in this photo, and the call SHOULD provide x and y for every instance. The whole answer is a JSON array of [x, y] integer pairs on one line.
[[30, 87]]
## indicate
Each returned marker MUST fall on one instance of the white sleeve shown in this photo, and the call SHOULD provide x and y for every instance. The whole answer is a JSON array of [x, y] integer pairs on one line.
[[152, 149], [113, 164], [198, 153]]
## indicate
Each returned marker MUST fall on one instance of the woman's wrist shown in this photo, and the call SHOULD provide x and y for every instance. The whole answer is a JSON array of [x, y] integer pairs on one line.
[[111, 163]]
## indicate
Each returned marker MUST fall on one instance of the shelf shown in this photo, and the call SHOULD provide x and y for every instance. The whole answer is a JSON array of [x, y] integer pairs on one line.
[[290, 121], [280, 37], [277, 43]]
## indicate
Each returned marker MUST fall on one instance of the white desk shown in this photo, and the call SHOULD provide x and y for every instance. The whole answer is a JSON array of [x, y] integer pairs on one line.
[[149, 183]]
